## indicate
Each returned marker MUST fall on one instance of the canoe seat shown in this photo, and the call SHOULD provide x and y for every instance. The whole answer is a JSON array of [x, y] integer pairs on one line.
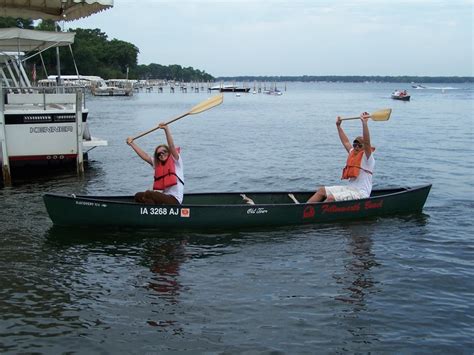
[[293, 198], [247, 200]]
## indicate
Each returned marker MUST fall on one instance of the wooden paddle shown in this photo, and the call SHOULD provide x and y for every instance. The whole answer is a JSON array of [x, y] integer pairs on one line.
[[382, 115], [203, 106]]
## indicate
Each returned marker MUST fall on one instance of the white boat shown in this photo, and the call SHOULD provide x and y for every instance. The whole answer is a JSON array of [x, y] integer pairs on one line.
[[229, 88], [37, 126], [400, 95], [113, 87], [86, 81], [274, 92]]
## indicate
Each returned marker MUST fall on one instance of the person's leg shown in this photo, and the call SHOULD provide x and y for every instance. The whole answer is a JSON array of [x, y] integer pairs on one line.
[[160, 198], [319, 196], [139, 197], [329, 198], [144, 197]]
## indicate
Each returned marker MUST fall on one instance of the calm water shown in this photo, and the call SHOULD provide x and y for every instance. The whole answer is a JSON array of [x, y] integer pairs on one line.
[[401, 284]]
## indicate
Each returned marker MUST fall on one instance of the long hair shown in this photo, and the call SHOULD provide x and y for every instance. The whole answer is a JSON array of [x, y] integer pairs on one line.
[[156, 150]]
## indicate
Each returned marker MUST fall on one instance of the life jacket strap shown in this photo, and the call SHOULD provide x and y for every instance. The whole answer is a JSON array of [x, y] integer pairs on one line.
[[162, 176], [358, 167]]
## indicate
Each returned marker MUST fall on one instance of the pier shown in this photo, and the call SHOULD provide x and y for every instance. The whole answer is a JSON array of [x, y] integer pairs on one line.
[[160, 86]]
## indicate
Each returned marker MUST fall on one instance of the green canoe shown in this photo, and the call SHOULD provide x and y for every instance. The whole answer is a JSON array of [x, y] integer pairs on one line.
[[229, 210]]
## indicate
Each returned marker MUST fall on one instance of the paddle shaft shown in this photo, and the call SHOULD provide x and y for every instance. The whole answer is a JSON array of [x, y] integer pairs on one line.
[[350, 118], [158, 127]]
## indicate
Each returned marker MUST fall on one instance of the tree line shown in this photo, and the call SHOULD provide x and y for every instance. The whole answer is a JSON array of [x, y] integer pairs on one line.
[[95, 54], [352, 79]]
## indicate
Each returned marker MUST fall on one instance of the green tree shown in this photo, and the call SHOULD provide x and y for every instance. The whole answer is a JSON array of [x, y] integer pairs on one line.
[[6, 22], [121, 54]]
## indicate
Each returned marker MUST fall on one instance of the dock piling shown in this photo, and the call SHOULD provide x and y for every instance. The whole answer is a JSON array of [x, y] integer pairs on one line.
[[80, 157], [7, 178]]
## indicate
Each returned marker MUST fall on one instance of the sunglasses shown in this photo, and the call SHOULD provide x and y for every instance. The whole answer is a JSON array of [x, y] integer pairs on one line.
[[164, 152], [357, 144]]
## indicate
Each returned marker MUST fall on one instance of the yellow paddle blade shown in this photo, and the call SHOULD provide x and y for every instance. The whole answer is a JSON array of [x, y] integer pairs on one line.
[[382, 115], [206, 105]]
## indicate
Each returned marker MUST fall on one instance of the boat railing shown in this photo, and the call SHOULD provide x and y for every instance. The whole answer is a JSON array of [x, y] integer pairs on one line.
[[44, 96]]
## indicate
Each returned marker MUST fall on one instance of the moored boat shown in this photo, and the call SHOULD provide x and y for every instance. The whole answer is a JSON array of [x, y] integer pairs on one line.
[[274, 92], [229, 88], [46, 118], [229, 210], [113, 88], [234, 89]]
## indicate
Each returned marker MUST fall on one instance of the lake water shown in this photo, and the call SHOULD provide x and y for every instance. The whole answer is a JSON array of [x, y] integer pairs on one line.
[[401, 284]]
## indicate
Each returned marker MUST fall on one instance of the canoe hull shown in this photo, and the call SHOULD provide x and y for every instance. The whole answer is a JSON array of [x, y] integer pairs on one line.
[[122, 212]]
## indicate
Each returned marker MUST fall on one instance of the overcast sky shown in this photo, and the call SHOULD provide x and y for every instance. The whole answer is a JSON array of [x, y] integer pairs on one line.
[[297, 37]]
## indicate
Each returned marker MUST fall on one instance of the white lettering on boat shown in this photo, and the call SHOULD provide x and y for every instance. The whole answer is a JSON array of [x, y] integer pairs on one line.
[[159, 211], [51, 129], [90, 204], [259, 210]]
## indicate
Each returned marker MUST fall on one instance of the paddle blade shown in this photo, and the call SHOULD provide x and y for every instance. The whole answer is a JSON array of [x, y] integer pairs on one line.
[[208, 104], [382, 115]]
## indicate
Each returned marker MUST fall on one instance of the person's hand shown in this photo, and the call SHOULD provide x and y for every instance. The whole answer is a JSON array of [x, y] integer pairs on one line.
[[364, 116], [129, 140], [163, 125], [338, 121]]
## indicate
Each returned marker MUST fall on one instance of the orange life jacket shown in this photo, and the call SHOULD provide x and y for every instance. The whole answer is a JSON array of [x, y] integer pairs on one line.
[[353, 165], [165, 174]]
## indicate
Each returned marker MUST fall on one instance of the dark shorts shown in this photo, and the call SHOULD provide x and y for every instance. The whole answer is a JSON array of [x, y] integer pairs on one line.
[[155, 198]]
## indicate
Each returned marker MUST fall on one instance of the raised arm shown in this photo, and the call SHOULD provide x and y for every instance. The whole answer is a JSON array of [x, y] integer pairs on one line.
[[364, 117], [342, 136], [139, 151], [170, 141]]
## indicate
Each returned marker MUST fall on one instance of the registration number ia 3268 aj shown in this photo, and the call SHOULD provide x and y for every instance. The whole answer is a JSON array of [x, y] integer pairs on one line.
[[159, 211]]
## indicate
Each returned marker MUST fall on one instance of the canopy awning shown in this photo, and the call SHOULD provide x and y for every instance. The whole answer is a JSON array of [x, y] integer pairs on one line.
[[21, 40], [56, 10]]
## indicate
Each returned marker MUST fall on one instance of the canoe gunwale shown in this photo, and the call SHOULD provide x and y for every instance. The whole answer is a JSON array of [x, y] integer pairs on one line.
[[117, 199]]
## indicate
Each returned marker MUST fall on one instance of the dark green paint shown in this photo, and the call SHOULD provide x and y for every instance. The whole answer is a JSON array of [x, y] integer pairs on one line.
[[227, 210]]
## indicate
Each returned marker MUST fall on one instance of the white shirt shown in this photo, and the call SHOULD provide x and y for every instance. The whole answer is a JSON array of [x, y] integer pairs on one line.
[[177, 190], [364, 181]]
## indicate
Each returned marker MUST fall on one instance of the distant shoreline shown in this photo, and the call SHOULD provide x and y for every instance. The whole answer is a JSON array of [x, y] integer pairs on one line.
[[353, 79]]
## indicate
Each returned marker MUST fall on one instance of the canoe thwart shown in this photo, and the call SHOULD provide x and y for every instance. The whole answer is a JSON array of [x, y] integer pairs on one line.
[[293, 198]]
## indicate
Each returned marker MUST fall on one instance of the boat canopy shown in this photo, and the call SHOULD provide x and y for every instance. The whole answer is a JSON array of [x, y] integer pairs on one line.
[[21, 40], [57, 10]]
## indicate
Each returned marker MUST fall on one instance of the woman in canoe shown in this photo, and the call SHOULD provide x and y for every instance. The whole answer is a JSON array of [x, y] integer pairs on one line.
[[358, 170], [168, 187]]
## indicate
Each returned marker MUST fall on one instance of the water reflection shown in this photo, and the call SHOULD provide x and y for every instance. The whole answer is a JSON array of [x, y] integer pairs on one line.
[[357, 279], [164, 260], [360, 279], [41, 177]]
